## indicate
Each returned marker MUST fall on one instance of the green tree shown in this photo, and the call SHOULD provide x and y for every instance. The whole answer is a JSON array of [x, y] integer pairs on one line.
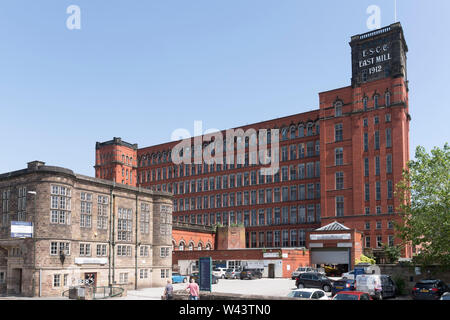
[[392, 253], [425, 205]]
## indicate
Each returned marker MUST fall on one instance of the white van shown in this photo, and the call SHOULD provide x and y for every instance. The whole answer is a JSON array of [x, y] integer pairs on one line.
[[378, 286]]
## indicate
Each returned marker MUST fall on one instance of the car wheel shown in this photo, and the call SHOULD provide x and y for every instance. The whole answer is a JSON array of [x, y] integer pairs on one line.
[[326, 288], [300, 286], [223, 276]]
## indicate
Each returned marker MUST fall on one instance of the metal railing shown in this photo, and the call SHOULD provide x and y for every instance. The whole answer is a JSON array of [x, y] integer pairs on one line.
[[102, 292]]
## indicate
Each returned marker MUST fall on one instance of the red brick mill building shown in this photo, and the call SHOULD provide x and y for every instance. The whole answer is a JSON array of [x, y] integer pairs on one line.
[[337, 163]]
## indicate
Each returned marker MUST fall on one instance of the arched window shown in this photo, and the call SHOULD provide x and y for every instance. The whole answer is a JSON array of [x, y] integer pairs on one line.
[[191, 246], [284, 133], [376, 99], [301, 130], [387, 99], [317, 128], [200, 246], [309, 129], [208, 246], [293, 133], [181, 246], [338, 109]]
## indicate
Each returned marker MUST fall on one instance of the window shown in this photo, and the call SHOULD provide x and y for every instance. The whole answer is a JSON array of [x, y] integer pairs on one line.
[[338, 109], [59, 247], [387, 117], [123, 277], [101, 250], [367, 225], [339, 180], [2, 277], [379, 241], [389, 189], [375, 101], [377, 165], [389, 163], [102, 217], [376, 120], [339, 206], [377, 190], [390, 240], [123, 251], [338, 132], [366, 192], [85, 250], [367, 242], [339, 156], [164, 252], [365, 100], [124, 224], [56, 280], [366, 142], [387, 99], [388, 138], [366, 167], [22, 204], [86, 210], [143, 273], [377, 140], [60, 205], [143, 251], [365, 122], [310, 213], [5, 207], [144, 218]]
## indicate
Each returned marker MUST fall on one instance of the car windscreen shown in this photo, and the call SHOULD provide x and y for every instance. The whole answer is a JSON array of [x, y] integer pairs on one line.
[[299, 294], [229, 270], [345, 297]]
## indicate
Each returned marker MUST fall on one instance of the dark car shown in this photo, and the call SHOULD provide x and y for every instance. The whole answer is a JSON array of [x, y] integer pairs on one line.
[[429, 290], [313, 280], [342, 285], [194, 276], [352, 295], [250, 274]]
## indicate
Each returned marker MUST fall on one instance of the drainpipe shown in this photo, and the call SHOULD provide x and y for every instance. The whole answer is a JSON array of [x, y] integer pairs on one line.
[[136, 246], [113, 238], [110, 235]]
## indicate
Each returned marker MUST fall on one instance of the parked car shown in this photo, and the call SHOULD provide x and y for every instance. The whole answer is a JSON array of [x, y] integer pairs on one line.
[[429, 289], [378, 286], [232, 273], [342, 285], [300, 270], [178, 278], [352, 295], [313, 280], [194, 275], [219, 272], [445, 296], [313, 294], [250, 274]]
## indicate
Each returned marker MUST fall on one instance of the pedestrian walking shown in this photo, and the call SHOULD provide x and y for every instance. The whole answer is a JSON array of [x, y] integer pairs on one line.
[[193, 290], [168, 291]]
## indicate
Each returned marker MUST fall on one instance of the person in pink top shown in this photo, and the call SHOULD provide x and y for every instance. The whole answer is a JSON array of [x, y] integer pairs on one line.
[[193, 290]]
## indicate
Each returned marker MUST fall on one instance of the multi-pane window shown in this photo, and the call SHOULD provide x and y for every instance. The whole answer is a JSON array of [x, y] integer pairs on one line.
[[5, 206], [301, 214], [389, 163], [339, 180], [377, 190], [379, 241], [86, 210], [57, 247], [144, 218], [366, 167], [367, 242], [101, 250], [389, 189], [60, 205], [56, 280], [366, 192], [387, 99], [390, 240], [143, 273], [124, 251], [338, 132], [339, 156], [124, 224], [164, 252], [388, 138], [22, 204], [338, 109], [102, 210], [85, 250], [366, 142], [310, 213], [123, 277], [377, 165], [340, 206], [377, 140], [301, 238]]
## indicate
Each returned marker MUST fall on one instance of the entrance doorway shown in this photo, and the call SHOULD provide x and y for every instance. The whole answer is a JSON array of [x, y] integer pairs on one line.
[[271, 270], [15, 282], [90, 279]]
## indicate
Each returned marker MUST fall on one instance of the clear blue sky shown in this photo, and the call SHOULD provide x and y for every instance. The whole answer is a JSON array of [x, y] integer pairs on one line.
[[140, 69]]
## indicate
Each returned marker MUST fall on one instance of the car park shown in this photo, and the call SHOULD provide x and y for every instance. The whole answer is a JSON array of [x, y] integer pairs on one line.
[[313, 280], [250, 274], [431, 289], [195, 276], [352, 295], [219, 272], [342, 285], [300, 270], [232, 273], [378, 286], [178, 278], [313, 294]]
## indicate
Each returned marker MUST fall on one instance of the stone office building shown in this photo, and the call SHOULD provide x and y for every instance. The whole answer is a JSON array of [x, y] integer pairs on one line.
[[85, 229]]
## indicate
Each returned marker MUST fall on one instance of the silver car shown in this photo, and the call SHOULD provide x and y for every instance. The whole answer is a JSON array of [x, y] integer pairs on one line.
[[300, 270]]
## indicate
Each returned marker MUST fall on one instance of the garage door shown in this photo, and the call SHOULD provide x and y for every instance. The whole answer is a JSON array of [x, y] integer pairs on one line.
[[329, 256]]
